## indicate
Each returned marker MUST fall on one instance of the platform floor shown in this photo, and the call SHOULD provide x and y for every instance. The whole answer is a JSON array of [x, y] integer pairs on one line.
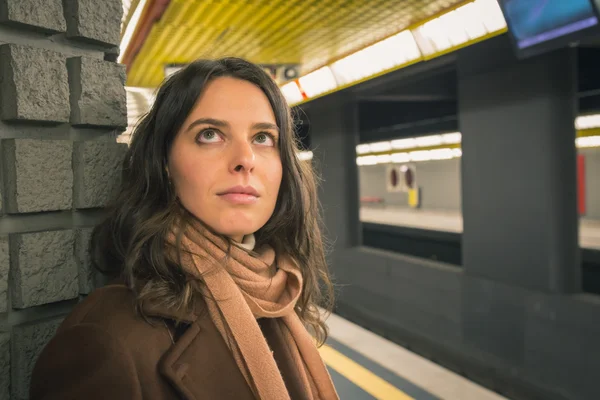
[[365, 366], [589, 229]]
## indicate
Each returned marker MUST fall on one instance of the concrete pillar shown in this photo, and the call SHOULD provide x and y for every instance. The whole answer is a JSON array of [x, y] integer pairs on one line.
[[519, 167], [334, 135], [62, 105]]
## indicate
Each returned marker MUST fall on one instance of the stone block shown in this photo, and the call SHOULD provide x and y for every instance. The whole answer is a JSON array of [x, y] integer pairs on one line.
[[97, 172], [88, 276], [34, 85], [4, 268], [98, 95], [43, 268], [96, 21], [1, 174], [28, 341], [38, 175], [4, 366], [39, 15]]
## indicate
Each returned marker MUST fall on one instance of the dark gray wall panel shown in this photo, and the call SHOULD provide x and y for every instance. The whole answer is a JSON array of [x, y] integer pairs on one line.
[[399, 288], [518, 167], [493, 319], [334, 136], [535, 345]]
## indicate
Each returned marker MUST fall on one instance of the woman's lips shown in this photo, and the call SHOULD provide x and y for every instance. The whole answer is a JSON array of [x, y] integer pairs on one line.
[[239, 198]]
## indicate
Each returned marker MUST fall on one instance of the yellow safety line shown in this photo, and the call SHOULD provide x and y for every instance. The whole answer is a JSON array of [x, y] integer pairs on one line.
[[360, 376]]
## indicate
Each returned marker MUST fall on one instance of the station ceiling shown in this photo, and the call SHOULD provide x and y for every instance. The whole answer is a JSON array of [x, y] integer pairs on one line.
[[308, 33]]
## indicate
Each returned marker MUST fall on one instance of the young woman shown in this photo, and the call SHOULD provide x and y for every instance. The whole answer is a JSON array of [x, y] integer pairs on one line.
[[215, 248]]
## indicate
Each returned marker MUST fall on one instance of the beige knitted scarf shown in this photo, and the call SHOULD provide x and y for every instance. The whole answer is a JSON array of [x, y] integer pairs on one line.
[[247, 286]]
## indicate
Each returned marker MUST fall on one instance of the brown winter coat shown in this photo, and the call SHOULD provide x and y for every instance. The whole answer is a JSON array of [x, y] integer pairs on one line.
[[104, 350]]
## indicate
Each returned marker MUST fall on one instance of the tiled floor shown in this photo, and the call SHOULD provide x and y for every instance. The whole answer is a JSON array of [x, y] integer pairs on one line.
[[366, 366], [449, 221]]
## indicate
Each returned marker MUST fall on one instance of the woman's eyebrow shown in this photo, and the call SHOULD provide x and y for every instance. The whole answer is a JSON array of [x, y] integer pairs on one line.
[[265, 125], [208, 121]]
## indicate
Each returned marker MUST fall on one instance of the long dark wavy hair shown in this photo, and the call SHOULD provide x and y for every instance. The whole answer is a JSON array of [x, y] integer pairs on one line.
[[130, 243]]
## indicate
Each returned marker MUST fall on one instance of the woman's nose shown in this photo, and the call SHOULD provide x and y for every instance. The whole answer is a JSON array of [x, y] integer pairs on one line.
[[243, 157]]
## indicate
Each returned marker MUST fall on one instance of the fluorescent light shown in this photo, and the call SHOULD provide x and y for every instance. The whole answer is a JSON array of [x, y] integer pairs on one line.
[[491, 15], [444, 153], [587, 121], [587, 141], [466, 23], [384, 158], [400, 144], [472, 21], [419, 155], [400, 157], [373, 160], [410, 143], [130, 29], [363, 149], [366, 160], [292, 93], [380, 146], [318, 82], [452, 138], [425, 141], [305, 155], [386, 54], [413, 156], [440, 154]]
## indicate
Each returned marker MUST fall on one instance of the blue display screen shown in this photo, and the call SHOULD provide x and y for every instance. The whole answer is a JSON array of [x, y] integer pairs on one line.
[[535, 21]]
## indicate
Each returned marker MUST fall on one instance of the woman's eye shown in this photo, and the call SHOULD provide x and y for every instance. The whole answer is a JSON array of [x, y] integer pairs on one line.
[[264, 139], [208, 136]]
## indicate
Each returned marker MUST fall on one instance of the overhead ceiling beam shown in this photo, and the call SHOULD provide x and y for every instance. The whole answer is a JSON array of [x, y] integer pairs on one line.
[[152, 13]]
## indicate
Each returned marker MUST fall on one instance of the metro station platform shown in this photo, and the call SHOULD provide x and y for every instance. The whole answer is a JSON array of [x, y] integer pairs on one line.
[[451, 221], [365, 366]]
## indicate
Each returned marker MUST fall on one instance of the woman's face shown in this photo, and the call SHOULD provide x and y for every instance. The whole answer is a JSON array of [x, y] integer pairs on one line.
[[224, 162]]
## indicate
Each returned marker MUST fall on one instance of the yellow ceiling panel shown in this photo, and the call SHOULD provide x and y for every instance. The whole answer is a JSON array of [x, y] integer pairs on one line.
[[310, 33]]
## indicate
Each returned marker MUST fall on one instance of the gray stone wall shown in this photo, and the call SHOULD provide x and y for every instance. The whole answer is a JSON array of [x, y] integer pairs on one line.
[[62, 106]]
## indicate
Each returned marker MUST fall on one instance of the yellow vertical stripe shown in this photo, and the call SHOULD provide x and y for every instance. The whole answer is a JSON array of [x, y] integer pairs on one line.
[[360, 376]]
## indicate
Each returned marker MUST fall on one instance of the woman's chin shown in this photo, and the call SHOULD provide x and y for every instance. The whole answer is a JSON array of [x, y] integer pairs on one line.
[[237, 229], [233, 222]]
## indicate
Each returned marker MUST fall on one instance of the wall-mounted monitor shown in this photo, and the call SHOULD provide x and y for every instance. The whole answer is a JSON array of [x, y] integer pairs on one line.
[[538, 26]]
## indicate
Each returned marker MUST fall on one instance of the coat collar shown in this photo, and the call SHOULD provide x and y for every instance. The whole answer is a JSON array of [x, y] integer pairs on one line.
[[159, 310], [196, 364], [198, 360], [175, 364]]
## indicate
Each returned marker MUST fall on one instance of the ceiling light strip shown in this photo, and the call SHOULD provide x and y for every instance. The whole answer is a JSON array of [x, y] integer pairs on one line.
[[460, 27], [384, 55], [410, 156], [415, 155], [318, 82], [585, 125], [444, 139], [587, 142]]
